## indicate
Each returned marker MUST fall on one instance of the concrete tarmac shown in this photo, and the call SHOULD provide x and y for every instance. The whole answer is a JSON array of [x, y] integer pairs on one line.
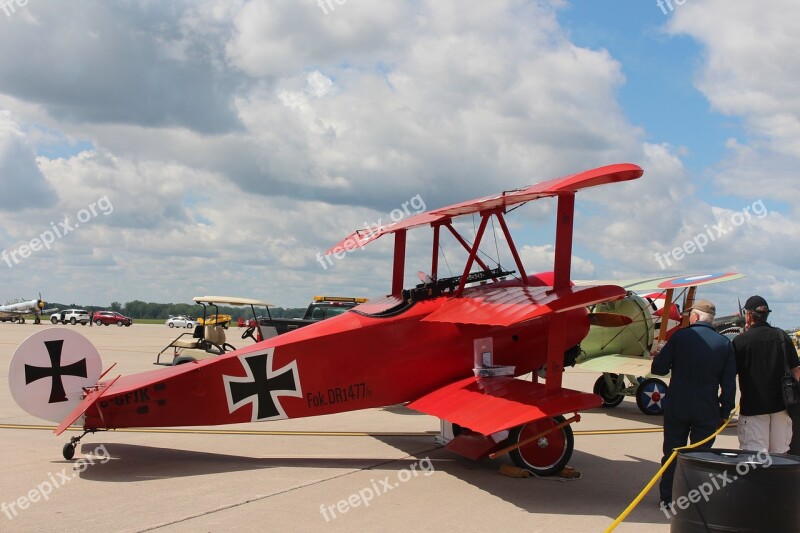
[[377, 469]]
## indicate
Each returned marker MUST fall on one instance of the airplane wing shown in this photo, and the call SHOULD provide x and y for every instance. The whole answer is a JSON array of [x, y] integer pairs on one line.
[[15, 312], [505, 306], [668, 282], [490, 405], [635, 365], [554, 187]]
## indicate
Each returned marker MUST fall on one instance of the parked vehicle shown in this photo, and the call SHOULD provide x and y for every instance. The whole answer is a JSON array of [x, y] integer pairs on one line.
[[71, 316], [321, 308], [209, 339], [181, 322], [104, 318]]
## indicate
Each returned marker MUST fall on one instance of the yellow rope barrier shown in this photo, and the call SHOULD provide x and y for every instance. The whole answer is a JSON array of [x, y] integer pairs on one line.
[[661, 470]]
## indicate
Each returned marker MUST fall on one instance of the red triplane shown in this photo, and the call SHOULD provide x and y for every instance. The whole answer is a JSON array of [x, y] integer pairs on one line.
[[449, 346]]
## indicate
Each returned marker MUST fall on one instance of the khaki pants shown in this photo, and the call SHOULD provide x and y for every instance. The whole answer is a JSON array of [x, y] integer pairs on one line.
[[772, 432]]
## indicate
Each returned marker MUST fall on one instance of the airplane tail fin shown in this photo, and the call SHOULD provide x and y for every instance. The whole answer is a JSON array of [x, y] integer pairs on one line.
[[49, 370]]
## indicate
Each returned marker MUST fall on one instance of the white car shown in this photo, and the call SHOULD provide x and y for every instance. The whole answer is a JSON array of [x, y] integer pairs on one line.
[[71, 316], [180, 322]]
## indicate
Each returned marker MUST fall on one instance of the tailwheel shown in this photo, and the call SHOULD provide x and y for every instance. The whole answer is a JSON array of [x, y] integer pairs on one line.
[[548, 454], [68, 451], [650, 396], [609, 387]]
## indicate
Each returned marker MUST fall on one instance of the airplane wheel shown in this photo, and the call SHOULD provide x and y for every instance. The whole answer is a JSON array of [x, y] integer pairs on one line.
[[549, 454], [650, 396], [610, 397], [68, 451]]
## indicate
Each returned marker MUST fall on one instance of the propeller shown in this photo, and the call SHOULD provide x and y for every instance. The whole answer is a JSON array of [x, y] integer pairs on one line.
[[609, 320]]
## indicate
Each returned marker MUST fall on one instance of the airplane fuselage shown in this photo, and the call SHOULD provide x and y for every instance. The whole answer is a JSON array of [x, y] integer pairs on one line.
[[349, 362]]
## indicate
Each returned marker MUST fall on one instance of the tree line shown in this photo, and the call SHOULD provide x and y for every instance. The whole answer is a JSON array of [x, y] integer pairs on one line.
[[138, 309]]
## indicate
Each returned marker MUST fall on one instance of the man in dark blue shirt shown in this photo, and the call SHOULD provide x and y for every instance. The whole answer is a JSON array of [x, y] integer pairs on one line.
[[701, 361]]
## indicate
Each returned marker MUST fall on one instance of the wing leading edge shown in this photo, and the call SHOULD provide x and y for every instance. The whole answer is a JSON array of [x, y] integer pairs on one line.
[[554, 187]]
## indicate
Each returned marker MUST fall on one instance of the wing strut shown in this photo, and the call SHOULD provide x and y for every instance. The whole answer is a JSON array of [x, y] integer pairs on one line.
[[474, 252], [513, 248], [662, 332], [686, 305], [399, 262], [465, 244], [563, 260]]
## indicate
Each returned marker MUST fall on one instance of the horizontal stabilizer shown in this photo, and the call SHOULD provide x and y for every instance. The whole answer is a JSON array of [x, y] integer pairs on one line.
[[505, 306], [489, 405], [82, 407]]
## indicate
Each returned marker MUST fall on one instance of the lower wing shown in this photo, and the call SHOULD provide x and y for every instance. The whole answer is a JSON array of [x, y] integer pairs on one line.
[[491, 405], [634, 365]]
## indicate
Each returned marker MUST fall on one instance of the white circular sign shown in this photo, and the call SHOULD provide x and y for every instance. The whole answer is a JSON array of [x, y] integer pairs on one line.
[[49, 370]]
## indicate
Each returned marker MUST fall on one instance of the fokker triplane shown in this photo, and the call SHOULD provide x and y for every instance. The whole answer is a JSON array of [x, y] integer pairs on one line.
[[452, 347]]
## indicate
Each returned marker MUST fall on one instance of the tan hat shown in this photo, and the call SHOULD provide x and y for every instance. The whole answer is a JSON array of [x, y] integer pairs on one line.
[[704, 306]]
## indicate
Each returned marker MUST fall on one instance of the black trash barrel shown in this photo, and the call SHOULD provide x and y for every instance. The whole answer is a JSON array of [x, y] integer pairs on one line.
[[735, 490]]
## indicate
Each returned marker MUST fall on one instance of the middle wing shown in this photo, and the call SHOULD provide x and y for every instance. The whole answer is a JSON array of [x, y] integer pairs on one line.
[[505, 306]]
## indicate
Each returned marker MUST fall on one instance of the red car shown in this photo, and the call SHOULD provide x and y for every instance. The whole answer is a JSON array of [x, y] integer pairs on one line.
[[111, 317]]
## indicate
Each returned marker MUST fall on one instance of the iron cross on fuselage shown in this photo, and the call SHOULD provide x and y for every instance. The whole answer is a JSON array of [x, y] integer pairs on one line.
[[55, 371], [260, 384]]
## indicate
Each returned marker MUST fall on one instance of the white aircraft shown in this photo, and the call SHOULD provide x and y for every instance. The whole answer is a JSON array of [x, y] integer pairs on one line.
[[15, 311]]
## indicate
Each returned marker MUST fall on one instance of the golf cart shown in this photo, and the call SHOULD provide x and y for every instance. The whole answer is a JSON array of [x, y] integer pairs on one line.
[[208, 338]]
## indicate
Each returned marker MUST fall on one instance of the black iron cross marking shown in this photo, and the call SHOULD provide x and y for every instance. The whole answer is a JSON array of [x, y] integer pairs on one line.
[[263, 384], [55, 371]]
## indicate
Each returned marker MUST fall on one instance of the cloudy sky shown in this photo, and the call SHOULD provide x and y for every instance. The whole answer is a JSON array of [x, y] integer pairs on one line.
[[174, 149]]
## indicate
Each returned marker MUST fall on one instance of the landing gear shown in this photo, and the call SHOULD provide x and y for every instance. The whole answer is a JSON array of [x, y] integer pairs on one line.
[[68, 451], [610, 387], [548, 454], [650, 396]]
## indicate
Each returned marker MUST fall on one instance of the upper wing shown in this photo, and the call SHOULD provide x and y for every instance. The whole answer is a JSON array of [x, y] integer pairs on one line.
[[489, 405], [505, 306], [554, 187], [668, 282]]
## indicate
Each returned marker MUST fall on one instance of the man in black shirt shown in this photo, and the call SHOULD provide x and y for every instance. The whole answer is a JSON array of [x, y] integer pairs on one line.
[[763, 354], [701, 361]]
